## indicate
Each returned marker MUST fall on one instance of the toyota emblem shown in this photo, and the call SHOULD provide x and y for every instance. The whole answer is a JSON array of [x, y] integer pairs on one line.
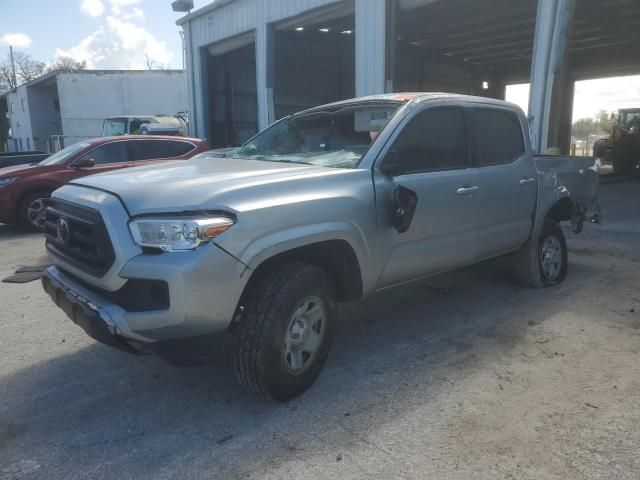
[[62, 231]]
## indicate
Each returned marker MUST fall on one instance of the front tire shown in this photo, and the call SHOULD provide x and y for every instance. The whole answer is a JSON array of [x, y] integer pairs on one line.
[[543, 261], [31, 210], [285, 331]]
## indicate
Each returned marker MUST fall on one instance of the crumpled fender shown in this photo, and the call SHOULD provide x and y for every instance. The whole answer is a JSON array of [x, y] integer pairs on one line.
[[551, 191]]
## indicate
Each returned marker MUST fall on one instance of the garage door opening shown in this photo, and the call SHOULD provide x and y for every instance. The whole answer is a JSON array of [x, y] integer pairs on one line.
[[231, 92], [314, 59], [462, 46]]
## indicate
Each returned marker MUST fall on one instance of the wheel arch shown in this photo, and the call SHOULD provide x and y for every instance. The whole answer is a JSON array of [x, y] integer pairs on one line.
[[39, 187], [562, 210], [337, 257]]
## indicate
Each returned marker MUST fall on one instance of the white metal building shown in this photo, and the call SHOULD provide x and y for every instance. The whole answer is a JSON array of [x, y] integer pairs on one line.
[[252, 61], [71, 106]]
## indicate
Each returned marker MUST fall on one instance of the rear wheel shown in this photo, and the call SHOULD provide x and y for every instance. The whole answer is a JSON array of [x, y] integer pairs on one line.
[[543, 262], [285, 331], [626, 154], [31, 211]]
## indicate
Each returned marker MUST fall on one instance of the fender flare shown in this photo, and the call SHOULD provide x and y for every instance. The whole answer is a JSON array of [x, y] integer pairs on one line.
[[275, 243]]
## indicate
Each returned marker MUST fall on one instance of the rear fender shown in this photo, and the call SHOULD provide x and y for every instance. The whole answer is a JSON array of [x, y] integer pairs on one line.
[[555, 200]]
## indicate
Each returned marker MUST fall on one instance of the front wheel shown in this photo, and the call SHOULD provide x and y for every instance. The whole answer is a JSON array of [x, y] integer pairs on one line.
[[285, 331], [543, 262], [32, 209]]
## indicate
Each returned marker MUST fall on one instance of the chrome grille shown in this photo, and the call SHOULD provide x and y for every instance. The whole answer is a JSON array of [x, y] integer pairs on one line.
[[77, 235]]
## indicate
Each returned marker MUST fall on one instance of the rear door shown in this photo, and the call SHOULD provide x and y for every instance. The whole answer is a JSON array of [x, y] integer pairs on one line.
[[507, 180], [434, 162]]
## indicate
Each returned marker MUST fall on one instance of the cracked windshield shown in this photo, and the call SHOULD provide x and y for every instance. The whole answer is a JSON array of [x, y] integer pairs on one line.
[[337, 139]]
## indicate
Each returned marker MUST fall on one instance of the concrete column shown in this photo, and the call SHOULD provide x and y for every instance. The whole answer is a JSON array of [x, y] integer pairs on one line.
[[561, 113], [265, 68], [371, 51], [553, 26], [188, 71]]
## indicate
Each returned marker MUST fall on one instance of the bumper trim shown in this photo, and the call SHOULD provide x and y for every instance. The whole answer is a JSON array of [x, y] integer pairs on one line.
[[86, 315]]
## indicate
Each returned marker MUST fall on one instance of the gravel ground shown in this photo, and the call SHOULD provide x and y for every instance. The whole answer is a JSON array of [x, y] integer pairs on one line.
[[462, 376]]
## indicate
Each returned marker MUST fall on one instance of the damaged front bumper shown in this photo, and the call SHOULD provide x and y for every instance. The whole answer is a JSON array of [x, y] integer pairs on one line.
[[87, 315]]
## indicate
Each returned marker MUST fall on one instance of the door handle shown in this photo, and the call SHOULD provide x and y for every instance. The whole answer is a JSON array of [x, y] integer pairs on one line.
[[527, 181], [467, 190]]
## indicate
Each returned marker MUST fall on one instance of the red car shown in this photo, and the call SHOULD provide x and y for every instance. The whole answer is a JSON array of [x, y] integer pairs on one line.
[[24, 187]]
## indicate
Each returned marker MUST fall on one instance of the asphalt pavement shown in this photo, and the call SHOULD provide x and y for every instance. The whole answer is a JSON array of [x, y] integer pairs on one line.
[[461, 376]]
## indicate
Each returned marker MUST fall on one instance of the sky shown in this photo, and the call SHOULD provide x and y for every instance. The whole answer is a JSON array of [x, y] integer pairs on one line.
[[107, 34], [120, 34], [591, 96]]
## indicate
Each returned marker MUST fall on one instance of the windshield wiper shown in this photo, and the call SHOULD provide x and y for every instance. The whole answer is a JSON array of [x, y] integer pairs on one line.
[[286, 161]]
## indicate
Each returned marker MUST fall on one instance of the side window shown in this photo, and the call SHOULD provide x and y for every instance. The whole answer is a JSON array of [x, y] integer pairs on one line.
[[433, 140], [115, 152], [136, 124], [500, 138], [179, 149], [150, 149]]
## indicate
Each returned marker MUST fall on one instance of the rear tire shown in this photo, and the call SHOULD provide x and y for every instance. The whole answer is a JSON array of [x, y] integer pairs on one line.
[[285, 331], [626, 155], [31, 210], [543, 261]]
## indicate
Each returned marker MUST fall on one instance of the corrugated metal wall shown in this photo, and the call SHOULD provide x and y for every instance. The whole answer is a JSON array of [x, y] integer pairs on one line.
[[234, 18], [241, 16]]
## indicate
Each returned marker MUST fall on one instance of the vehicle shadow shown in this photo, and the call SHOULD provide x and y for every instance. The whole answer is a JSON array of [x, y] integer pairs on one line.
[[98, 411], [12, 230]]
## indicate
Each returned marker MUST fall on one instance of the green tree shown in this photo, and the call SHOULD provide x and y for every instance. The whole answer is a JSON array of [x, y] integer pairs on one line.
[[583, 128]]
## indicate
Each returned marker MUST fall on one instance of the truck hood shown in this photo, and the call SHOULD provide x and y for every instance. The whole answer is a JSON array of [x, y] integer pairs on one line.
[[199, 184]]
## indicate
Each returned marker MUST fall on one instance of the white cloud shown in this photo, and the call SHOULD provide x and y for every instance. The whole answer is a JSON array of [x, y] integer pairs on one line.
[[117, 6], [19, 40], [119, 45], [93, 8], [135, 14]]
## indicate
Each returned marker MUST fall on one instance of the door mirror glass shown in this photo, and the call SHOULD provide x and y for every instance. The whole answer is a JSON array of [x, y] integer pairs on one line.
[[85, 163], [405, 202]]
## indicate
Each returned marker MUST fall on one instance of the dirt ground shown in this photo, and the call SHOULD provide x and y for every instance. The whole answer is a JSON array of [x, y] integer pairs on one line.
[[464, 376]]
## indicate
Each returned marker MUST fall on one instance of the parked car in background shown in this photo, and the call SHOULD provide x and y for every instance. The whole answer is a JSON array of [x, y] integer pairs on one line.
[[175, 125], [9, 159], [24, 188], [325, 206]]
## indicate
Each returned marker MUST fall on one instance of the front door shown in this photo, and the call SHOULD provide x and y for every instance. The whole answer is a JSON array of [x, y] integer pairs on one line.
[[433, 162]]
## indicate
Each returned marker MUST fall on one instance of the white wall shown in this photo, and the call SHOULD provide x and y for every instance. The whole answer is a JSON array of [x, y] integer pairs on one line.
[[45, 120], [87, 98], [20, 120]]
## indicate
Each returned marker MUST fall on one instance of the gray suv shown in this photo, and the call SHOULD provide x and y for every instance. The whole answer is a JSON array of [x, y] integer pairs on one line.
[[325, 206]]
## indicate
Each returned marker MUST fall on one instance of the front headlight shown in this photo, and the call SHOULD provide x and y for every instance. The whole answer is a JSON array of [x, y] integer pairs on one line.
[[178, 234], [5, 181]]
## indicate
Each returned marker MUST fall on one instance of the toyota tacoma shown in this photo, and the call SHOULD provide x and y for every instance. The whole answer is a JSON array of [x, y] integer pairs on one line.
[[325, 206]]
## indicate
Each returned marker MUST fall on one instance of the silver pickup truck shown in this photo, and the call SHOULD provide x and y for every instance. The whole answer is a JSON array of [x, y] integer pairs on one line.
[[325, 206]]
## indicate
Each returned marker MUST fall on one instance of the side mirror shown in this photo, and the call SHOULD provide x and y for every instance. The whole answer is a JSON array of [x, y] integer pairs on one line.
[[391, 164], [84, 163], [405, 202]]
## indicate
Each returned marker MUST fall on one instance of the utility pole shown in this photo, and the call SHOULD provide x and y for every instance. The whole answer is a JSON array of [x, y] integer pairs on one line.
[[13, 67]]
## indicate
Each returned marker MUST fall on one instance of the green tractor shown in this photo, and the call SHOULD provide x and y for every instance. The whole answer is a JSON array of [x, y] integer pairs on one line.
[[622, 147]]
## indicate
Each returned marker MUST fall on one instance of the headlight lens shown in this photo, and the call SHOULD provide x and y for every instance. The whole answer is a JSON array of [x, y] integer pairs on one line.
[[177, 234], [5, 181]]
